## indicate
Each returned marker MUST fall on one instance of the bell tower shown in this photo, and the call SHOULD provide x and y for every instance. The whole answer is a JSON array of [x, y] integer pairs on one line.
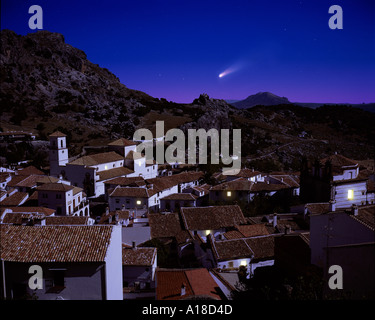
[[58, 153]]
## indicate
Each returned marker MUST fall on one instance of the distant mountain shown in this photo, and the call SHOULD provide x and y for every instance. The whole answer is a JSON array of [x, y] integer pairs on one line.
[[261, 98], [313, 105], [270, 99]]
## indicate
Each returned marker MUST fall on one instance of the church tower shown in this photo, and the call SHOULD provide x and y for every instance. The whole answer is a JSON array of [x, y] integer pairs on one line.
[[58, 153]]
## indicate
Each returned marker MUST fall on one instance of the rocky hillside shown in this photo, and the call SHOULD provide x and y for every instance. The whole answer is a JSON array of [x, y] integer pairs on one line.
[[260, 99], [46, 84]]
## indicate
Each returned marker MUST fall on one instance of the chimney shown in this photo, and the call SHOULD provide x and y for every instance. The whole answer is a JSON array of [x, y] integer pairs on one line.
[[151, 186], [116, 217], [288, 229], [274, 222], [183, 289], [332, 205], [107, 211], [123, 207], [354, 210]]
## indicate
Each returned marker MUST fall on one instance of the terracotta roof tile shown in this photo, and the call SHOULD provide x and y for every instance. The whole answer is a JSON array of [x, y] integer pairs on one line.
[[115, 172], [57, 134], [197, 282], [139, 256], [15, 199], [67, 220], [99, 158], [122, 142], [54, 243], [213, 217], [55, 187]]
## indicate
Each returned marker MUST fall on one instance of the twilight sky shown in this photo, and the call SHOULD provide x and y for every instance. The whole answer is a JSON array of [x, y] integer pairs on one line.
[[176, 49]]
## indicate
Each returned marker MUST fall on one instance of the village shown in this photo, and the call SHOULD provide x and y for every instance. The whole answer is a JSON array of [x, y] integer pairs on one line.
[[114, 226]]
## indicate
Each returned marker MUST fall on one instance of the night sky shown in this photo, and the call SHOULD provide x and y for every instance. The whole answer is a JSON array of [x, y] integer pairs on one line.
[[176, 49]]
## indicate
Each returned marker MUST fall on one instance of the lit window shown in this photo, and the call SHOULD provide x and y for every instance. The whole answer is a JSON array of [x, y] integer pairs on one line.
[[138, 202], [243, 262], [207, 232], [229, 193], [105, 168], [350, 194]]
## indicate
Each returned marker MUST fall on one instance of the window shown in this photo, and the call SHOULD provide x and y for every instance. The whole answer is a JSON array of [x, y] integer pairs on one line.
[[229, 193], [243, 263], [56, 282], [62, 144], [139, 202], [58, 196], [350, 194], [105, 167], [117, 200], [230, 264]]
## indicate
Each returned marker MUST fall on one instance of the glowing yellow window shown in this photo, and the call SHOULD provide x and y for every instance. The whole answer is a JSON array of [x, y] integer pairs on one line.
[[350, 194], [243, 262], [207, 232], [138, 202], [229, 193], [105, 167]]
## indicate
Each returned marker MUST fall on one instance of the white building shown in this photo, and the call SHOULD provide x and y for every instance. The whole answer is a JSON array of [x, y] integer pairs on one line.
[[76, 262], [65, 199], [91, 171]]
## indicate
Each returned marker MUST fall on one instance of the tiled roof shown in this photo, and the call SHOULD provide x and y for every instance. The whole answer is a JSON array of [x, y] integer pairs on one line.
[[257, 248], [127, 181], [55, 187], [366, 216], [247, 173], [231, 249], [212, 218], [41, 210], [15, 199], [167, 225], [112, 173], [290, 180], [318, 208], [29, 170], [139, 256], [122, 142], [57, 134], [238, 184], [19, 217], [263, 247], [338, 160], [180, 196], [242, 184], [167, 182], [67, 220], [130, 192], [197, 282], [253, 230], [99, 158], [54, 243]]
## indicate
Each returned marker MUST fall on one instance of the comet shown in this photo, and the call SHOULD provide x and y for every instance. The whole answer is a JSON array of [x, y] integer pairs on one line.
[[230, 70]]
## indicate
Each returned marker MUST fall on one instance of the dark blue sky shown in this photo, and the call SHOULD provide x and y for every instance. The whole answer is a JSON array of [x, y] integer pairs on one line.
[[176, 49]]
